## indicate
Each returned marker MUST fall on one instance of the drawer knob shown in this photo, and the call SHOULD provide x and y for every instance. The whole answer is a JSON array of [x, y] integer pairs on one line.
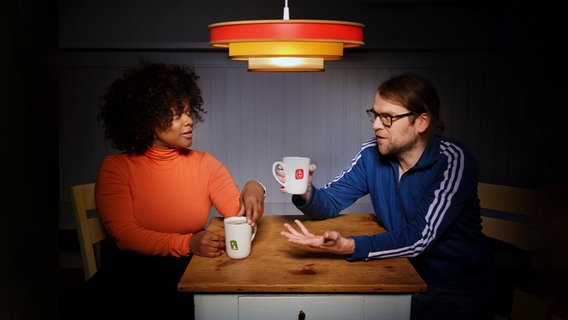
[[301, 315]]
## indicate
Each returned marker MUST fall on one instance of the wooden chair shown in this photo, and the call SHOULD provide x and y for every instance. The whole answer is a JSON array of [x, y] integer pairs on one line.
[[89, 228], [505, 212], [505, 217], [528, 229]]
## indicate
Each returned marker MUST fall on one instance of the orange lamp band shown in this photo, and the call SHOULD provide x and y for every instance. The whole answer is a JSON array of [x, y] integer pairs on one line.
[[245, 50], [223, 33]]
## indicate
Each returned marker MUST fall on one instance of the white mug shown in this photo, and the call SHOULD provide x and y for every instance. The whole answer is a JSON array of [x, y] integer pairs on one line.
[[296, 170], [238, 237]]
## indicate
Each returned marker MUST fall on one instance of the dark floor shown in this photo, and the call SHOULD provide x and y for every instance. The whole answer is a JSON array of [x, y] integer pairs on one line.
[[70, 287], [70, 273]]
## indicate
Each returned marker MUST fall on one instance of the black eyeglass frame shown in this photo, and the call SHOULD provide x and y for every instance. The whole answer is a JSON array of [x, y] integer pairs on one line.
[[373, 116]]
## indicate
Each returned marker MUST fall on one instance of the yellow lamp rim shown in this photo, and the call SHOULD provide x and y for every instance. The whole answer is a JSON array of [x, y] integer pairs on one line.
[[273, 65], [326, 50]]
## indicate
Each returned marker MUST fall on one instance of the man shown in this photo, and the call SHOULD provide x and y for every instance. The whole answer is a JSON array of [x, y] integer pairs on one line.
[[423, 188]]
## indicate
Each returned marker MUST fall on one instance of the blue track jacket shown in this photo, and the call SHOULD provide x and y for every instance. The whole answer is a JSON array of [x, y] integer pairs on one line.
[[432, 215]]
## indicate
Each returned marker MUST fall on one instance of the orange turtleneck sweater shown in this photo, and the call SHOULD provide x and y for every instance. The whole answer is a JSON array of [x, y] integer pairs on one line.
[[151, 204]]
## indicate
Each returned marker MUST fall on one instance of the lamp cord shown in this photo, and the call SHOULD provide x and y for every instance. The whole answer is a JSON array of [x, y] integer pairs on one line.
[[286, 10]]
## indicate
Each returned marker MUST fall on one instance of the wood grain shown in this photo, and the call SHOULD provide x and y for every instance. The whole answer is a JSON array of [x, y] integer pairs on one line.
[[276, 265]]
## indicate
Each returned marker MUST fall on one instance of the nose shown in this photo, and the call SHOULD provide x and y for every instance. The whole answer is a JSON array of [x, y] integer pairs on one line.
[[378, 124], [188, 121]]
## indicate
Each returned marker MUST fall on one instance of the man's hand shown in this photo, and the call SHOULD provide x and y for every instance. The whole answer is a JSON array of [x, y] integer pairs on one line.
[[330, 241], [282, 177]]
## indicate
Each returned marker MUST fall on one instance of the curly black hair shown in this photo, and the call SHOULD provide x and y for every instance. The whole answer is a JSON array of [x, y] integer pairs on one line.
[[143, 99]]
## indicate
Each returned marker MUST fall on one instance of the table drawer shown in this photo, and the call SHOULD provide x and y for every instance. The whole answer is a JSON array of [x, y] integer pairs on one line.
[[290, 307], [314, 306]]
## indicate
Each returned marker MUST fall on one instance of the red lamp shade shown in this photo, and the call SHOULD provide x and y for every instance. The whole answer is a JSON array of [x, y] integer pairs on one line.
[[286, 45]]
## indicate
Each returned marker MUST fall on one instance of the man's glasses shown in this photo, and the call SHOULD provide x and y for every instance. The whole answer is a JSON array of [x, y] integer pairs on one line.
[[386, 119]]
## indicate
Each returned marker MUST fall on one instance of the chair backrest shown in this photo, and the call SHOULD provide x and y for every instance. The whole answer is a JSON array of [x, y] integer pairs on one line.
[[505, 212], [89, 228]]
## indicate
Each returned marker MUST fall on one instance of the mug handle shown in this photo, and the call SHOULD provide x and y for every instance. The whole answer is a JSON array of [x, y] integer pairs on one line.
[[253, 233], [274, 172]]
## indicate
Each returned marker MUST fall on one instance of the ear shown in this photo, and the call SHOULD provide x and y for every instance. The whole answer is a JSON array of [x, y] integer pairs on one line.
[[422, 122]]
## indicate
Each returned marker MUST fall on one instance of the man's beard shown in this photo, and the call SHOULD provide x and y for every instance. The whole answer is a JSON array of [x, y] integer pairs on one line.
[[406, 146]]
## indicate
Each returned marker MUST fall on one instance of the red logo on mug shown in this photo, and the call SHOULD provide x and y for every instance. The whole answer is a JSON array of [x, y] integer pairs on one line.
[[299, 174]]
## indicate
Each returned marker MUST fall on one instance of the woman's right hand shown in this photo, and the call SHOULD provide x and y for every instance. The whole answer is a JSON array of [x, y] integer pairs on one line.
[[207, 244]]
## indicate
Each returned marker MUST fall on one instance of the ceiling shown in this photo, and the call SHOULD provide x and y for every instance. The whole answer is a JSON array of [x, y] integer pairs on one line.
[[390, 25]]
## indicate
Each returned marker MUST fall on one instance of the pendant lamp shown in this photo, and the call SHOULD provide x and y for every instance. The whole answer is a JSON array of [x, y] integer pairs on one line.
[[286, 45]]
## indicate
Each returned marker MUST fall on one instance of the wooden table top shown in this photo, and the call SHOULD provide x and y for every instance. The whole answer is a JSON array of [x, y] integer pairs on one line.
[[278, 266]]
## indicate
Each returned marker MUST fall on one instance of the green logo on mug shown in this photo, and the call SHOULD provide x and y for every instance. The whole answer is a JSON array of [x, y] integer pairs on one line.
[[234, 245]]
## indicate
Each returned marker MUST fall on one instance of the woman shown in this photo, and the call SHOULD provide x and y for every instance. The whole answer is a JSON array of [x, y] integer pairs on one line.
[[154, 198]]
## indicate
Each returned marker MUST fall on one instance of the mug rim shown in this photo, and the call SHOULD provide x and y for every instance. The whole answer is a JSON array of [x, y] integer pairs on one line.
[[235, 218]]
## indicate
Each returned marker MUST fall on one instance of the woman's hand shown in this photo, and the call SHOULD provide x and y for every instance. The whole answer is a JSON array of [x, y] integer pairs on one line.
[[330, 241], [252, 202], [207, 244]]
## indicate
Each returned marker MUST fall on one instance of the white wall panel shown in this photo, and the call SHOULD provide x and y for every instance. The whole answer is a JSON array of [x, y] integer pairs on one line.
[[509, 116]]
